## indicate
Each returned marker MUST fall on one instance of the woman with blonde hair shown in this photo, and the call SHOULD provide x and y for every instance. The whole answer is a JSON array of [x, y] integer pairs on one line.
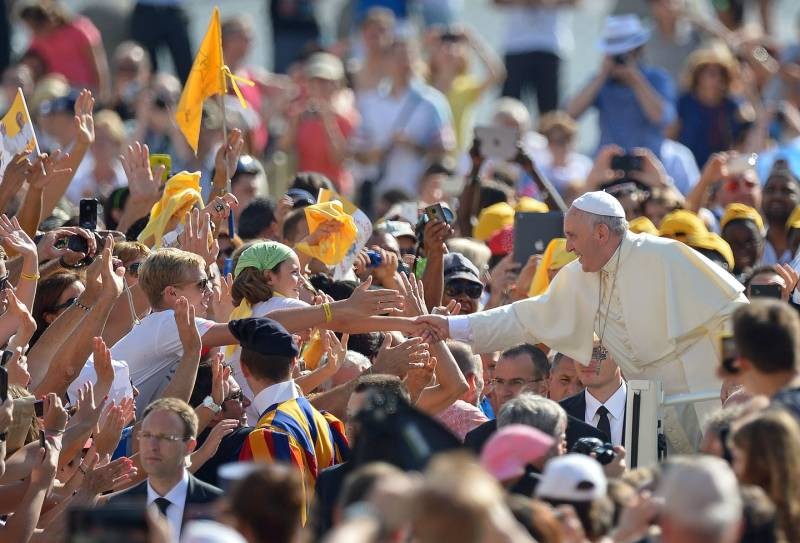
[[766, 453], [711, 117]]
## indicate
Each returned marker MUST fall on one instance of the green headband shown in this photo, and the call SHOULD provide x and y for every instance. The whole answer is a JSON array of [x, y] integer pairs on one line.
[[264, 255]]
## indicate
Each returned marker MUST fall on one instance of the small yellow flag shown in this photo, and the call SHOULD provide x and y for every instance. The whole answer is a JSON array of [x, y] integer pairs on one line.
[[16, 132], [206, 79]]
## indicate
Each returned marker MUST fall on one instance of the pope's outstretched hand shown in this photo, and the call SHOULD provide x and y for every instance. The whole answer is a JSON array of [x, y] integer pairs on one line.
[[436, 326]]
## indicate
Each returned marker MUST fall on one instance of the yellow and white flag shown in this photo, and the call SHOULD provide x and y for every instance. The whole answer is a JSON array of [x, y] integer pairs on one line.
[[16, 132], [363, 227]]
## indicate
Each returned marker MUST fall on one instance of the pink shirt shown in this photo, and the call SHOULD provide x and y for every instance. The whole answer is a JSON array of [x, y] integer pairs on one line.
[[67, 50], [314, 153], [461, 418]]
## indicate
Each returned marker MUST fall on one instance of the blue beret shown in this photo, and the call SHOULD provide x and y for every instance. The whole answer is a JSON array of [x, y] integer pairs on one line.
[[264, 336]]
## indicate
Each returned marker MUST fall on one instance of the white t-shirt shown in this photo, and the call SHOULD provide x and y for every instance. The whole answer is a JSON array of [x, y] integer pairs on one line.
[[261, 309], [538, 29], [152, 351], [428, 123]]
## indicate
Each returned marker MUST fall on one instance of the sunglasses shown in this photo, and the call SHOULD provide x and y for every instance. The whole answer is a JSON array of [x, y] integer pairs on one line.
[[65, 305], [735, 183], [237, 396], [133, 269], [4, 282], [203, 284], [456, 288]]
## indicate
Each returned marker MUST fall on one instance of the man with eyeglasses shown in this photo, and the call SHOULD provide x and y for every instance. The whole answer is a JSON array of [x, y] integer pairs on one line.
[[166, 438], [523, 368], [462, 283]]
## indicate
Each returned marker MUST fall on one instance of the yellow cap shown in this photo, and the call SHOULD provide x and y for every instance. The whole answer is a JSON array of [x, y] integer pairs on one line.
[[712, 242], [528, 204], [642, 225], [492, 219], [794, 219], [681, 224], [741, 212], [555, 257]]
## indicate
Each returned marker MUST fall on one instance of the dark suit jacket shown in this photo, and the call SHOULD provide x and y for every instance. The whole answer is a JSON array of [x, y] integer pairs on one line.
[[576, 406], [576, 429], [197, 493]]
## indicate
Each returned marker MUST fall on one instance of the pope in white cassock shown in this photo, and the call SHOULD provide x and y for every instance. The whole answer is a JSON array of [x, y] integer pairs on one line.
[[657, 305]]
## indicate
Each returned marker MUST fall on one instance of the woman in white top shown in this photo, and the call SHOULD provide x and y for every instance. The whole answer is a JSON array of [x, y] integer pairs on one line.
[[266, 278]]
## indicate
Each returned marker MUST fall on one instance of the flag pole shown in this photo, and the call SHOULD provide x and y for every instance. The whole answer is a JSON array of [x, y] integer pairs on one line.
[[221, 97]]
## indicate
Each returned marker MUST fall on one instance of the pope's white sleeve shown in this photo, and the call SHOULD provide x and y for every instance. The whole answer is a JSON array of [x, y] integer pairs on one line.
[[460, 328]]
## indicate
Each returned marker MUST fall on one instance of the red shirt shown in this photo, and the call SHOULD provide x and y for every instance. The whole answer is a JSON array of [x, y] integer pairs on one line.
[[67, 50], [314, 152]]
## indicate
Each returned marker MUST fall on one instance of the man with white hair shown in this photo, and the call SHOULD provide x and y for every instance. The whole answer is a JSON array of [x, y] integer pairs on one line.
[[658, 306], [701, 500]]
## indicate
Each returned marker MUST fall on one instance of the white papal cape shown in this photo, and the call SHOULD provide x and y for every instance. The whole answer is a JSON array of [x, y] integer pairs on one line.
[[667, 308]]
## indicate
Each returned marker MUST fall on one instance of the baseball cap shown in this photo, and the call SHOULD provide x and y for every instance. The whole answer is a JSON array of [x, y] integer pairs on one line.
[[59, 104], [457, 266], [512, 448], [325, 66], [397, 229], [301, 197], [572, 478]]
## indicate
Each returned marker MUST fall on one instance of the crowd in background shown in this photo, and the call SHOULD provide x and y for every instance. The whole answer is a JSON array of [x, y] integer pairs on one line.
[[197, 365]]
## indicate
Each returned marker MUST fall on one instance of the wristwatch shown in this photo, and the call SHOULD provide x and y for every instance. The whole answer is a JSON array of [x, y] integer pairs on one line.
[[208, 403]]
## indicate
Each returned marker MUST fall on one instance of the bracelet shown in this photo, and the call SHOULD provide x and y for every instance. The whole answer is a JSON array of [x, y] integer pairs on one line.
[[30, 277], [79, 304], [326, 307]]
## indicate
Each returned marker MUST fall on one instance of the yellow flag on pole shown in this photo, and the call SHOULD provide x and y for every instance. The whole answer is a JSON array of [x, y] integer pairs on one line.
[[206, 79], [16, 132]]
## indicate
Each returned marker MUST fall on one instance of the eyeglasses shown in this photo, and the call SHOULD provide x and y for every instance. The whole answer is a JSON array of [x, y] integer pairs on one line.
[[66, 304], [162, 437], [456, 288], [237, 396], [513, 383]]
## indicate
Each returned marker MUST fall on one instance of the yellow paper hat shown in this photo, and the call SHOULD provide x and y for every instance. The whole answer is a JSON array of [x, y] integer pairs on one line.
[[713, 242], [741, 212], [794, 219], [333, 248], [528, 204], [681, 224], [642, 225], [555, 257], [181, 193], [491, 219]]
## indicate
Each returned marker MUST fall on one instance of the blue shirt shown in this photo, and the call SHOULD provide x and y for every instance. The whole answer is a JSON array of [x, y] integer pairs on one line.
[[622, 119], [707, 130], [486, 407]]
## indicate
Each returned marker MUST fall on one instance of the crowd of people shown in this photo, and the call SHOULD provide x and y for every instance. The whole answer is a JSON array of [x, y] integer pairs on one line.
[[195, 352]]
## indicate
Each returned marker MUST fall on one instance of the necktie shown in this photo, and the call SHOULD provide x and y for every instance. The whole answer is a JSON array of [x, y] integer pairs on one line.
[[603, 424], [162, 504]]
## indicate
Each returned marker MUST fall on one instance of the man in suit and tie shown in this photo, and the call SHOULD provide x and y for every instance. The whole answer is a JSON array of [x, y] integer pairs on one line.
[[602, 402], [523, 368], [166, 439]]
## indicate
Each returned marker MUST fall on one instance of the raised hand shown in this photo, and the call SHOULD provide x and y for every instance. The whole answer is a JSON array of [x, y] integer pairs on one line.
[[44, 467], [195, 237], [144, 184], [16, 173], [414, 293], [14, 238], [83, 120], [45, 170], [112, 421], [49, 247], [88, 410], [17, 368], [187, 329], [102, 366], [220, 387], [108, 476], [220, 207], [437, 326], [19, 311], [364, 302], [55, 416], [790, 277], [221, 429], [399, 359], [113, 279], [228, 155], [336, 349]]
